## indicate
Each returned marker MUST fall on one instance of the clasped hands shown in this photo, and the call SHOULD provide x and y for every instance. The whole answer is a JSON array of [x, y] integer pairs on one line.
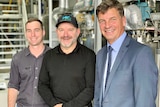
[[58, 105]]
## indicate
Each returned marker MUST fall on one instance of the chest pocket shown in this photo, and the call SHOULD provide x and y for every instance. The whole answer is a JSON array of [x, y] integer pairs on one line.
[[27, 73]]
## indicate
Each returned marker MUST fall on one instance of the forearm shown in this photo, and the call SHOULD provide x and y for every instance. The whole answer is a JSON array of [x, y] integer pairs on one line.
[[44, 88], [46, 93], [12, 97], [83, 99]]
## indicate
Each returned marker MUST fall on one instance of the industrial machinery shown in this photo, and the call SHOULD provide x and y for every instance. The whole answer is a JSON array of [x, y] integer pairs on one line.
[[143, 18]]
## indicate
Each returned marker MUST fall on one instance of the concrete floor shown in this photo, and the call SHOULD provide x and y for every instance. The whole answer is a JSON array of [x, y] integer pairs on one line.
[[3, 93], [3, 98]]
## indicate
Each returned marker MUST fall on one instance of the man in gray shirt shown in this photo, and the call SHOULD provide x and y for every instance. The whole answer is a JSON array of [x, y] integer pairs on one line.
[[25, 67]]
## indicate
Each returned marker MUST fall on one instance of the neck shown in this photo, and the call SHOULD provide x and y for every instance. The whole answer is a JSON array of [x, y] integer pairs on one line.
[[36, 50]]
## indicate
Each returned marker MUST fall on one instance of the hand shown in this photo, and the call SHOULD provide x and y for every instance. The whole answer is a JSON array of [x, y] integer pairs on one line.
[[58, 105]]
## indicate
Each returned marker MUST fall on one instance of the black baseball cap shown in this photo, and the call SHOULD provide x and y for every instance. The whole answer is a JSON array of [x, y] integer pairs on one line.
[[67, 18]]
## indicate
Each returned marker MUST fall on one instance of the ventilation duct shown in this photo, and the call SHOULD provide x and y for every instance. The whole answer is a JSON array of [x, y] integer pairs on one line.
[[134, 17], [65, 6]]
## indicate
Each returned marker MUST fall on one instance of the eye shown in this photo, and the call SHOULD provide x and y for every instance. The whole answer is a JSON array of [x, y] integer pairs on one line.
[[28, 30], [102, 21], [71, 29], [113, 19], [60, 30], [37, 30]]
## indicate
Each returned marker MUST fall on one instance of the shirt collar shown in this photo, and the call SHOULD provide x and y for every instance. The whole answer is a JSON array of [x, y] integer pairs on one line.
[[117, 44], [27, 52]]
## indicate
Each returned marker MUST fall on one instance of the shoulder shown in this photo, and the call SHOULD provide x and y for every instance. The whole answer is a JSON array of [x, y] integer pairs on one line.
[[47, 47], [101, 51], [135, 45], [20, 56], [135, 48], [21, 53], [51, 51], [85, 50]]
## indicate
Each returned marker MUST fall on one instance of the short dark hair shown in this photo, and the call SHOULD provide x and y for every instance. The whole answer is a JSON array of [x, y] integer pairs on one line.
[[108, 4], [34, 19]]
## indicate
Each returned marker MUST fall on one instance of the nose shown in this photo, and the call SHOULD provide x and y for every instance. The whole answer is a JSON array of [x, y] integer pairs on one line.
[[107, 24], [33, 33], [65, 33]]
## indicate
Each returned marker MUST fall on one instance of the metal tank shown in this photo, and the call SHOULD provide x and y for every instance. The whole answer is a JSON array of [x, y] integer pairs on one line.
[[65, 6], [83, 10]]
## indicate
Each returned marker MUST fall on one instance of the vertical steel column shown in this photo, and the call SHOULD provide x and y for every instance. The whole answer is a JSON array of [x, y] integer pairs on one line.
[[50, 23], [39, 9], [31, 4], [98, 35], [157, 57]]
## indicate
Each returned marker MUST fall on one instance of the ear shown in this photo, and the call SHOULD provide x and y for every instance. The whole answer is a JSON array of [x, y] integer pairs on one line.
[[44, 32], [78, 31], [124, 21]]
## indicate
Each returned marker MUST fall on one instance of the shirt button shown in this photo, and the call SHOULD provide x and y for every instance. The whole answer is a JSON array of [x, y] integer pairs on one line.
[[36, 68], [36, 77], [35, 87]]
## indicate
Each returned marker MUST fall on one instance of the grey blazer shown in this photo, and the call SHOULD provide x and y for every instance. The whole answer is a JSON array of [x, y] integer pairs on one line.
[[133, 79]]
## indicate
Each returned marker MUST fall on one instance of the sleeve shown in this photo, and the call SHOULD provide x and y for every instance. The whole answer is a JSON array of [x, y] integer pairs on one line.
[[145, 79], [14, 79], [97, 83], [44, 84], [86, 96]]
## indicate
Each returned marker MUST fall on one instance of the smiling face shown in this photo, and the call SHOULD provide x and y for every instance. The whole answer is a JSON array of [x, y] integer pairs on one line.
[[112, 24], [67, 35], [34, 33]]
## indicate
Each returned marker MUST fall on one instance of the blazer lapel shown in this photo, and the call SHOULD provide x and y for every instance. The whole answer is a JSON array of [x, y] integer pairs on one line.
[[119, 57], [104, 56], [102, 62]]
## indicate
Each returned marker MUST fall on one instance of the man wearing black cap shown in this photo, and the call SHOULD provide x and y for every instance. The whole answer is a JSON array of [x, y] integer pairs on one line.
[[67, 74]]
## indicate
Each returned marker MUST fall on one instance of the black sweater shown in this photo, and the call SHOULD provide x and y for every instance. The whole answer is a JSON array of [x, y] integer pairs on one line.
[[68, 78]]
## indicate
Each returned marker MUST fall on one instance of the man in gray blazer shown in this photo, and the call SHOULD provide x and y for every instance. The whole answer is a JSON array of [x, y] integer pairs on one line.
[[127, 78]]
